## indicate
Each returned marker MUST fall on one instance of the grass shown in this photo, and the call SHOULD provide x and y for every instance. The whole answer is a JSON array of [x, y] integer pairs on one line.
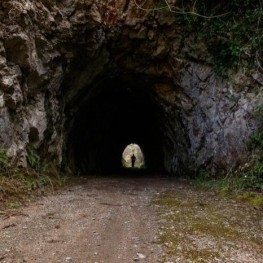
[[235, 188], [244, 184], [18, 185], [254, 199], [196, 225], [24, 184]]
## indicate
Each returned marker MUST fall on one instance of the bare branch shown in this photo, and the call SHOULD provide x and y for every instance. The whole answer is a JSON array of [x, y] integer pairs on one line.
[[194, 5], [168, 5], [148, 9], [203, 16], [180, 11]]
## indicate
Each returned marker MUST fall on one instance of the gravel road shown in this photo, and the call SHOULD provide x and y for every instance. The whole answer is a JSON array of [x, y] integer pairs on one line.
[[124, 219], [102, 219]]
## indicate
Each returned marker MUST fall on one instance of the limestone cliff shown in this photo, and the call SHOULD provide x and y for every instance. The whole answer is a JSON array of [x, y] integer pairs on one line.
[[54, 56]]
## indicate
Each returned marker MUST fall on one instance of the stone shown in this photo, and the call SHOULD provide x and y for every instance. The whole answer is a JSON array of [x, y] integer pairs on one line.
[[6, 83], [161, 49], [2, 102], [36, 120], [10, 101], [141, 256], [55, 55], [151, 34], [258, 77], [95, 14], [138, 257], [21, 43]]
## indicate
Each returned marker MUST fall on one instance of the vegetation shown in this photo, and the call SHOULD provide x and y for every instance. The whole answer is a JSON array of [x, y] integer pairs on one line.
[[245, 186], [256, 140], [3, 160], [231, 29], [199, 226], [18, 184], [244, 183]]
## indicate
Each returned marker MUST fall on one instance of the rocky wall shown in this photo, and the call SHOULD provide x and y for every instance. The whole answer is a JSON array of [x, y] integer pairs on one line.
[[51, 52]]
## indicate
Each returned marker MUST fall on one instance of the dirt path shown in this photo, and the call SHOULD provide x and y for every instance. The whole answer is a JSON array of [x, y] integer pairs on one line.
[[119, 220], [107, 220]]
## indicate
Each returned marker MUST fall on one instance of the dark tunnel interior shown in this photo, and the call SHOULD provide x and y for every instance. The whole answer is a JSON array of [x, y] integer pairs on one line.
[[113, 113]]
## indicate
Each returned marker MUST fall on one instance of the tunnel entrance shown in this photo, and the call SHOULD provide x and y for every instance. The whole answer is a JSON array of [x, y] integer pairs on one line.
[[110, 114], [133, 157], [95, 76]]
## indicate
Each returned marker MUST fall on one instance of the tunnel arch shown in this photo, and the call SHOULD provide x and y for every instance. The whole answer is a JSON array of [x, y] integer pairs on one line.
[[114, 111], [68, 55]]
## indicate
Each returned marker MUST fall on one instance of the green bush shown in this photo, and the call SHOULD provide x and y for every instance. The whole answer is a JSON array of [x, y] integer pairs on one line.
[[233, 39], [3, 160], [247, 177], [33, 159], [18, 183], [255, 141]]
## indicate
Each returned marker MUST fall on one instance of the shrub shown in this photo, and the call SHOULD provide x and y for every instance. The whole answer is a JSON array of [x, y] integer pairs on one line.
[[3, 160]]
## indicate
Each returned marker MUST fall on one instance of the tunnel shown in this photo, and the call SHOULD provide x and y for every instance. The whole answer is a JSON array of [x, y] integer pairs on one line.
[[90, 77], [114, 111]]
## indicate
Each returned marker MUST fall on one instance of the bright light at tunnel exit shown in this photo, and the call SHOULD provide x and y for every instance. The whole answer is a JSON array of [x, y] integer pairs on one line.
[[133, 157]]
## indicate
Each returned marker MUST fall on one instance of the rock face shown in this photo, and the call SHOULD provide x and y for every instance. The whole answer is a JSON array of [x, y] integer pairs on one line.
[[58, 57]]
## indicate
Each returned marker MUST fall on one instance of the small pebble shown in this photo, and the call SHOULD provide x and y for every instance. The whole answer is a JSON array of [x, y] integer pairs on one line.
[[140, 256]]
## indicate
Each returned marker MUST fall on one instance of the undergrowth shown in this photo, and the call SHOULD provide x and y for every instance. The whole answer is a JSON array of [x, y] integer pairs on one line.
[[234, 39], [19, 184], [197, 226], [244, 184]]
